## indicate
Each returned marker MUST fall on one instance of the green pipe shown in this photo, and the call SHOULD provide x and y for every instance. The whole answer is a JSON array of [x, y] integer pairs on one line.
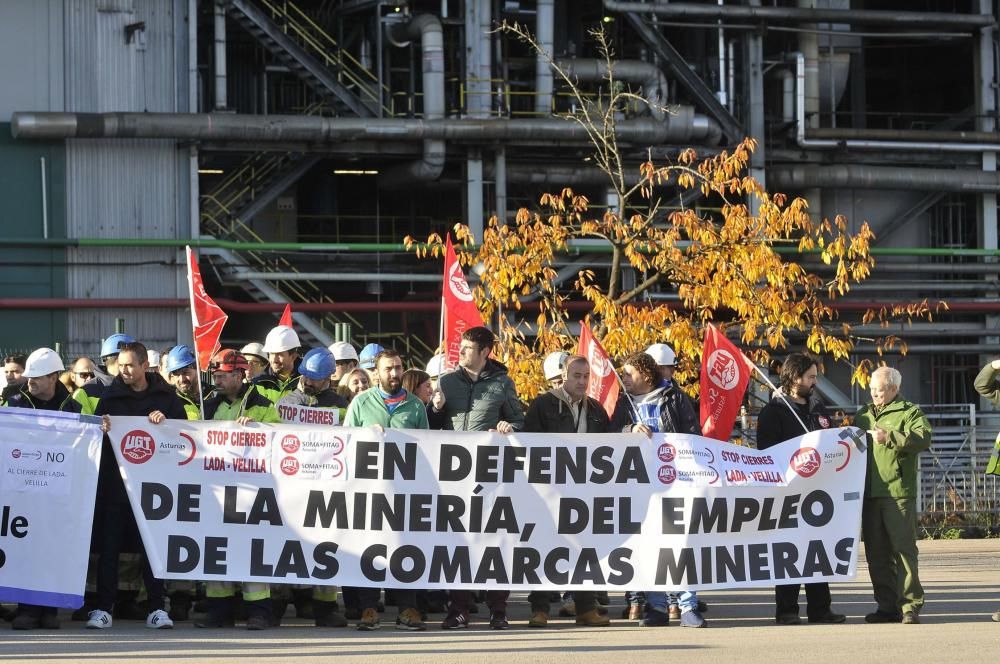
[[369, 247]]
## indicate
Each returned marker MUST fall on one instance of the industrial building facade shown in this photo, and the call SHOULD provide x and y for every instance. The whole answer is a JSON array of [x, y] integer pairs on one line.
[[327, 130]]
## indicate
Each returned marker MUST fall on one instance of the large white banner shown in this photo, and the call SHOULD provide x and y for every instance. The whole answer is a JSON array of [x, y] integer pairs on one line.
[[48, 478], [441, 509]]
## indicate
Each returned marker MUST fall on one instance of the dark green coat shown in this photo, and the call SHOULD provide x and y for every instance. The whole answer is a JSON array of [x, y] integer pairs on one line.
[[892, 468]]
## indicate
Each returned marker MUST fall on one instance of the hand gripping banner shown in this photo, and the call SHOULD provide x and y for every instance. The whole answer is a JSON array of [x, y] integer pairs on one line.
[[49, 477], [443, 509]]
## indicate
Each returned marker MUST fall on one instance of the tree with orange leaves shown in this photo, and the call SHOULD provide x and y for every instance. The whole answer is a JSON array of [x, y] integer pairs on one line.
[[723, 267]]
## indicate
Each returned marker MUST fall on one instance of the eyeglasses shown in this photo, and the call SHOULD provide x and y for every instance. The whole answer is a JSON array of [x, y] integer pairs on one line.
[[85, 374]]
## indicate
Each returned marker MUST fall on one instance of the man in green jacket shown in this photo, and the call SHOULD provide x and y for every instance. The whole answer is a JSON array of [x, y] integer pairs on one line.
[[898, 432], [987, 383], [388, 406]]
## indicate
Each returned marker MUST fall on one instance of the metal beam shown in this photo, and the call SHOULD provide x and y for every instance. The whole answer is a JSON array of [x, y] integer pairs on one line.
[[683, 72]]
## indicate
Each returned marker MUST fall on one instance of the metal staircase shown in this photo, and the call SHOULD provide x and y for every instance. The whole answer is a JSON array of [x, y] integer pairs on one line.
[[313, 55]]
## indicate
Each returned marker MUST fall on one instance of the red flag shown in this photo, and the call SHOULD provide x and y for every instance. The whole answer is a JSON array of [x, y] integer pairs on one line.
[[286, 318], [725, 373], [603, 381], [458, 310], [206, 316]]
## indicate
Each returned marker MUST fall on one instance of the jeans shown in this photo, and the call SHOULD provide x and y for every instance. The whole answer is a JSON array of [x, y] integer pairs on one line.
[[687, 600]]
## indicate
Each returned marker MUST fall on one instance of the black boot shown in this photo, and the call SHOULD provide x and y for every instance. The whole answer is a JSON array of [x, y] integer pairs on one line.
[[303, 600], [180, 606], [259, 614], [327, 614], [219, 614]]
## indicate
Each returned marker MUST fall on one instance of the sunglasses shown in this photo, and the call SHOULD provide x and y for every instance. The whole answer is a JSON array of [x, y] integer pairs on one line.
[[85, 374]]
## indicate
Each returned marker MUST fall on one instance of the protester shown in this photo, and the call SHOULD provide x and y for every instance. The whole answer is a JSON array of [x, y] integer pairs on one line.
[[236, 400], [135, 391], [792, 412], [182, 373], [366, 360], [987, 383], [256, 358], [43, 391], [388, 405], [89, 395], [353, 383], [660, 409], [552, 367], [13, 368], [83, 371], [898, 431], [477, 396], [282, 375], [418, 383], [434, 369], [566, 408], [346, 359], [666, 363]]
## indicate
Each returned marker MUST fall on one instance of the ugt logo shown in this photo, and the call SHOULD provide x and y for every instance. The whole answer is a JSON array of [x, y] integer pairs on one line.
[[137, 446]]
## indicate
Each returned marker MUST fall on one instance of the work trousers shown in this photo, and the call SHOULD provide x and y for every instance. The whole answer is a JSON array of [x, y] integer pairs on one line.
[[889, 526]]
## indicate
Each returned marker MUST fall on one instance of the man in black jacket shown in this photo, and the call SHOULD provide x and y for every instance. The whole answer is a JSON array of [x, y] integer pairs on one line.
[[790, 414], [567, 409], [135, 391]]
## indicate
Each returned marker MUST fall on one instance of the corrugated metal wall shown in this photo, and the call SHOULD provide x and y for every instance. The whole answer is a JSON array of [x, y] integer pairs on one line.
[[126, 189]]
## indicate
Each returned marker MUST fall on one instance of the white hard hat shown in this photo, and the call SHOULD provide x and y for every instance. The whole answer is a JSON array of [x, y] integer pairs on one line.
[[42, 362], [280, 339], [662, 354], [153, 356], [254, 348], [553, 365], [435, 366], [342, 350]]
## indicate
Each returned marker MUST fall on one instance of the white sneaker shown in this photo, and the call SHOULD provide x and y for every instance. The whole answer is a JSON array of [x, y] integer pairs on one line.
[[159, 619], [98, 619]]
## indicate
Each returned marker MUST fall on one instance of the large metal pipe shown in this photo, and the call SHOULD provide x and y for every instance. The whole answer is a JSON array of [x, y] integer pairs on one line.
[[426, 28], [801, 80], [798, 15], [221, 97], [645, 74], [545, 37], [682, 126], [864, 176]]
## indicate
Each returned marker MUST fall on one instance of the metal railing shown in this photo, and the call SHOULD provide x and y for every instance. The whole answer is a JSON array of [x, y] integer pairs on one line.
[[299, 26]]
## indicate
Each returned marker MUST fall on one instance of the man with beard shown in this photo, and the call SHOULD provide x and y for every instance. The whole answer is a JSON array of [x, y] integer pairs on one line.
[[182, 374], [13, 369], [385, 406], [135, 391], [477, 396], [793, 411]]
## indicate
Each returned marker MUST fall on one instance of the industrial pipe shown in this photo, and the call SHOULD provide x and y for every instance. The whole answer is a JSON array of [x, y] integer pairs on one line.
[[797, 15], [408, 306], [645, 74], [683, 127], [864, 176], [829, 143], [426, 28], [221, 96], [545, 37]]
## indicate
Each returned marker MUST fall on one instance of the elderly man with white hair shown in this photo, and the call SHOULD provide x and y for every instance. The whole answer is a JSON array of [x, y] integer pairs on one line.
[[898, 432]]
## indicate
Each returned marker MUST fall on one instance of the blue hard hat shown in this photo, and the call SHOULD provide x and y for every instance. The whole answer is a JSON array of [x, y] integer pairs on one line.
[[179, 357], [367, 356], [114, 343], [318, 364]]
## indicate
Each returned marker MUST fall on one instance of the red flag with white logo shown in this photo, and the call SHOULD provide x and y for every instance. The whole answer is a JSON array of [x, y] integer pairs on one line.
[[207, 317], [603, 379], [286, 317], [458, 310], [725, 374]]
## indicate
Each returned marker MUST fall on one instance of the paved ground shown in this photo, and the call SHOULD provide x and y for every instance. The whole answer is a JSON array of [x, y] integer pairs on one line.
[[962, 580]]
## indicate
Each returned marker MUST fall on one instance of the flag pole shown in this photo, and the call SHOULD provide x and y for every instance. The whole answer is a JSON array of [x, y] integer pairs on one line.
[[780, 394], [194, 324]]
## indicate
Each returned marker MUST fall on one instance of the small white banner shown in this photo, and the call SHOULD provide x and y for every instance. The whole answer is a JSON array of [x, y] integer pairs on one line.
[[443, 509], [48, 480]]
